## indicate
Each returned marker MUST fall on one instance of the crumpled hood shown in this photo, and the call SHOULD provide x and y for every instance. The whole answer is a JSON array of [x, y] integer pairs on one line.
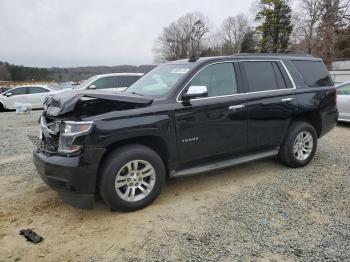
[[66, 101]]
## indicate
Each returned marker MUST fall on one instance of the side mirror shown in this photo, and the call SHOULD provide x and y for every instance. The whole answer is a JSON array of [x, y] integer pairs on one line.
[[195, 92], [8, 94], [92, 87]]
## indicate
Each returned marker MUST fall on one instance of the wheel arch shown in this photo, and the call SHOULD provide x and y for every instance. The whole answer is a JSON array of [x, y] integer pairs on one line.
[[2, 106], [156, 143], [311, 117]]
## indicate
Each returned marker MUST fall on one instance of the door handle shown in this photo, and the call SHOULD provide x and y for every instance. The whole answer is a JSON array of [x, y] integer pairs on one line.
[[287, 99], [236, 107]]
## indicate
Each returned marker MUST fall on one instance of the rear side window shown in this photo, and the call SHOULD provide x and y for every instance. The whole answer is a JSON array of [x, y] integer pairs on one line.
[[314, 73], [260, 76], [37, 89], [126, 81]]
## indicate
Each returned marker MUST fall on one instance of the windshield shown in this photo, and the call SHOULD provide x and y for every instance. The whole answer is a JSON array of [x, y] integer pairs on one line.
[[158, 82]]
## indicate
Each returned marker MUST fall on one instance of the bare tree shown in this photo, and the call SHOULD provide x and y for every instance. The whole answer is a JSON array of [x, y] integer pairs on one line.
[[334, 15], [183, 38], [309, 19], [233, 30]]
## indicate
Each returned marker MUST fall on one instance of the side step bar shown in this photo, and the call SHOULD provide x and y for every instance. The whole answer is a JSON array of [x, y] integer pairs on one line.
[[220, 164]]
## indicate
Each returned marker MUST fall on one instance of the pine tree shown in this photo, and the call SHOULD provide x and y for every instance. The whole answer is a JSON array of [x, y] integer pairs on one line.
[[275, 26], [249, 43]]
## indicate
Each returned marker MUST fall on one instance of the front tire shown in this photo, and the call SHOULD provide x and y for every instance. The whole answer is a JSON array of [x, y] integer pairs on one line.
[[299, 146], [131, 178]]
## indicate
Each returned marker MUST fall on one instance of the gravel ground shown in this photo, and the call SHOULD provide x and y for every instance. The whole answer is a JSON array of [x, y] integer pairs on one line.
[[260, 211]]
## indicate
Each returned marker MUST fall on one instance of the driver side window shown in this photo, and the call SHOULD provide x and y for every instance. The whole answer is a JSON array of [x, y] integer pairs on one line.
[[19, 91], [105, 82], [220, 79]]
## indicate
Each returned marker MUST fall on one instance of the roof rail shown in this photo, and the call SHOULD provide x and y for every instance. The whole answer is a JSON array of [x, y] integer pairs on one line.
[[272, 54]]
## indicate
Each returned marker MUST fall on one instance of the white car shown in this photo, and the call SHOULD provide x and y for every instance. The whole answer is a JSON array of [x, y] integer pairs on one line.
[[31, 94], [116, 81], [343, 101]]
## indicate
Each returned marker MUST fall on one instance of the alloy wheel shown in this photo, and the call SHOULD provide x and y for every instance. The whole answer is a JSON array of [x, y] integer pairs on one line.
[[135, 180], [303, 145]]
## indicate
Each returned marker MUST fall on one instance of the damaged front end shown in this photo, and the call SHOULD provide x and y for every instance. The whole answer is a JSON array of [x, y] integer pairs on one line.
[[90, 103], [62, 121], [59, 136], [66, 157]]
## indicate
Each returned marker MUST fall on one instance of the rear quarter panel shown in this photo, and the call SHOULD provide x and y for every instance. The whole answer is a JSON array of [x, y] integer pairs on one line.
[[322, 100]]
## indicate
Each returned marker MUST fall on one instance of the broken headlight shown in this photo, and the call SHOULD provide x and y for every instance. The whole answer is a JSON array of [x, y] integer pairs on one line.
[[69, 131]]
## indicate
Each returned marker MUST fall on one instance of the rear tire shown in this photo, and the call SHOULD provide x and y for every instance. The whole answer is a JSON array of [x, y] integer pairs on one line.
[[2, 108], [131, 178], [299, 146]]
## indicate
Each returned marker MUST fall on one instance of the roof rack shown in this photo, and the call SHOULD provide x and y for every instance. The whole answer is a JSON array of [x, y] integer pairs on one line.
[[272, 54]]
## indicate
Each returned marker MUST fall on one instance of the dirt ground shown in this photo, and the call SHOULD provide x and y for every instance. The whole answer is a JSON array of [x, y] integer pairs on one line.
[[260, 211]]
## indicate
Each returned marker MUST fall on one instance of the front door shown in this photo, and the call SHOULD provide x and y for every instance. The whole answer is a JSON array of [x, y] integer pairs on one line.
[[216, 125], [18, 95]]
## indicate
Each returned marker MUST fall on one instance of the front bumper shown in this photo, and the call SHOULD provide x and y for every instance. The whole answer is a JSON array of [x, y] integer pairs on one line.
[[74, 178]]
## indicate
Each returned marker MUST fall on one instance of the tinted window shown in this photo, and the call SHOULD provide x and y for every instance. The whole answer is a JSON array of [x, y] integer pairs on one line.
[[105, 82], [313, 73], [344, 90], [126, 81], [37, 89], [279, 77], [260, 76], [19, 91], [220, 79]]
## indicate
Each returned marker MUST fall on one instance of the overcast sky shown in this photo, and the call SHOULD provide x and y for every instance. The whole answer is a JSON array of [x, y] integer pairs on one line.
[[69, 33]]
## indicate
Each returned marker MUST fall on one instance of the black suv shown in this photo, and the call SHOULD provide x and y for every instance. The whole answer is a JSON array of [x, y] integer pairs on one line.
[[183, 118]]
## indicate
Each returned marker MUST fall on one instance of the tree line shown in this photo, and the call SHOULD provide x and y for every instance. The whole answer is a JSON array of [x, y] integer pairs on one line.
[[317, 27], [9, 72]]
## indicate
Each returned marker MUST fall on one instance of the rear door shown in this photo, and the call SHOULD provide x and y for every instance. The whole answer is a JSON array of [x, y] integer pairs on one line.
[[343, 102], [271, 102], [36, 96], [216, 125]]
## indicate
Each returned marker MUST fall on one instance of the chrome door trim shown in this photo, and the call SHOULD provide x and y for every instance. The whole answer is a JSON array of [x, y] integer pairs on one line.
[[238, 94], [236, 107], [288, 99]]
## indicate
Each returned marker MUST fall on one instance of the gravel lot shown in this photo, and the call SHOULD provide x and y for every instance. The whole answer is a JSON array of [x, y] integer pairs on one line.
[[260, 211]]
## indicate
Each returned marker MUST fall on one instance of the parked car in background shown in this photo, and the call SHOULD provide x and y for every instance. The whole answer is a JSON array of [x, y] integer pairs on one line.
[[343, 93], [115, 81], [68, 85], [31, 94]]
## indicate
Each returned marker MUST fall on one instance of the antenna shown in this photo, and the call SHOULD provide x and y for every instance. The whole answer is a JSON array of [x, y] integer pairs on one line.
[[193, 59]]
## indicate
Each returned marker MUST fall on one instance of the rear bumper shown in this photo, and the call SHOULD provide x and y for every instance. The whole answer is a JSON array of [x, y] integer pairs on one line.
[[74, 178]]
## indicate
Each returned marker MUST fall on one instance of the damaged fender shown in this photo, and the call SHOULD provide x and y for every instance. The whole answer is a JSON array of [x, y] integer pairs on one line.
[[66, 101]]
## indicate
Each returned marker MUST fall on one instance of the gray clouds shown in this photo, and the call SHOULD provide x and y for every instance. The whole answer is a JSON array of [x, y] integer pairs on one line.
[[79, 33]]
